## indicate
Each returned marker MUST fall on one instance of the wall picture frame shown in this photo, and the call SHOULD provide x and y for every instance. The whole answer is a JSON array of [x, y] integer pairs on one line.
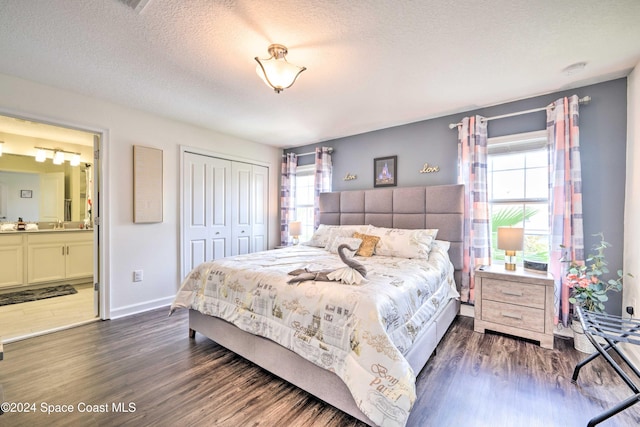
[[147, 184], [26, 194], [385, 170]]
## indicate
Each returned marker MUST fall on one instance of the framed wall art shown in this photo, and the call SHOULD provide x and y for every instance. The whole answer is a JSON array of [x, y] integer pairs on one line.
[[147, 184], [385, 171], [26, 194]]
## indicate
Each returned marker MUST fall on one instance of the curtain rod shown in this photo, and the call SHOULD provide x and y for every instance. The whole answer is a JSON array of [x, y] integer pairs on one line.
[[311, 153], [584, 100]]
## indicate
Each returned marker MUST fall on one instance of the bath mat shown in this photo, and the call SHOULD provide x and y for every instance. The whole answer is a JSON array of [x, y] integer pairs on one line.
[[36, 294]]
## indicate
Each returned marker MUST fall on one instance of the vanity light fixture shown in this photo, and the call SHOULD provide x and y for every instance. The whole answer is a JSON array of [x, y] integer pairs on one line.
[[276, 71], [41, 155], [58, 156]]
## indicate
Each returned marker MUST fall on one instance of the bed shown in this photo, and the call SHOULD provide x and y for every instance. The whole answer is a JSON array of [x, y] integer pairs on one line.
[[355, 377]]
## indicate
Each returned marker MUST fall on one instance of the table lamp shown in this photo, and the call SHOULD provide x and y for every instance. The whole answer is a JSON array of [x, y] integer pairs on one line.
[[510, 240], [295, 230]]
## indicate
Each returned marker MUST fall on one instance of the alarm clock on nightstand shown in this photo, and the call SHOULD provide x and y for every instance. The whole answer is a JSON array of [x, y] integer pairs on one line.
[[535, 267]]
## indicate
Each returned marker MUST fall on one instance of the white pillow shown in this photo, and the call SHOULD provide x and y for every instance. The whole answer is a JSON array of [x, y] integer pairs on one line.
[[320, 237], [352, 242], [403, 243], [442, 244], [345, 231]]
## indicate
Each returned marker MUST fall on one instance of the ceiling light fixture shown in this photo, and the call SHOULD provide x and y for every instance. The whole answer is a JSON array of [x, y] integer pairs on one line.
[[276, 71], [574, 68]]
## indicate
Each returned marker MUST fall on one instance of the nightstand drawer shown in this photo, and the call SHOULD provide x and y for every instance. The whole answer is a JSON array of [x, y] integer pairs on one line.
[[517, 316], [513, 293]]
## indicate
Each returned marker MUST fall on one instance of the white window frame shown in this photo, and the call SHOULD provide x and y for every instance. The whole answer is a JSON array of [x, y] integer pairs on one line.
[[514, 143], [306, 170]]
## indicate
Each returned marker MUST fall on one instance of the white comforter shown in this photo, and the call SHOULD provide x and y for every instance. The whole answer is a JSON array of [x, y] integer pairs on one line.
[[360, 332]]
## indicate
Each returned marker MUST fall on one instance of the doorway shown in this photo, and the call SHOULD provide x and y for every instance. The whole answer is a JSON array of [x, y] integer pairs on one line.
[[61, 248]]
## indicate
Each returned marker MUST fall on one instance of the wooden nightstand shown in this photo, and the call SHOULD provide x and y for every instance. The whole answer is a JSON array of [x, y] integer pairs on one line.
[[514, 302]]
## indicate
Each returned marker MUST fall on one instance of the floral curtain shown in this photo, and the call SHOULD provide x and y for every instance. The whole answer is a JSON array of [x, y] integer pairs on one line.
[[322, 181], [565, 195], [472, 172], [287, 196]]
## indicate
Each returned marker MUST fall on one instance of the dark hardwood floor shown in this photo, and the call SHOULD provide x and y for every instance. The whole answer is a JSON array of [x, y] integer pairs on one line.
[[147, 361]]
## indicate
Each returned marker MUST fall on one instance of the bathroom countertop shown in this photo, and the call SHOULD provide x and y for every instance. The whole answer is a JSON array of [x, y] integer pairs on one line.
[[47, 230]]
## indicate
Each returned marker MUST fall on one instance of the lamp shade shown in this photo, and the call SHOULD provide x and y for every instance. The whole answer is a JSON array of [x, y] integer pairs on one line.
[[276, 71], [510, 238], [295, 228]]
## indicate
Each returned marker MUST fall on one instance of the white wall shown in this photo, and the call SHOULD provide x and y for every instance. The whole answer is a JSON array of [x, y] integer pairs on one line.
[[631, 288], [153, 248]]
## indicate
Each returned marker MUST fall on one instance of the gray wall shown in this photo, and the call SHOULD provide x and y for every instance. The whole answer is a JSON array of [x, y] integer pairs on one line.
[[603, 125]]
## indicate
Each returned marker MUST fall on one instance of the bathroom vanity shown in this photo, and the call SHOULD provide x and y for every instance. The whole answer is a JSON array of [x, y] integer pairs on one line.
[[38, 257]]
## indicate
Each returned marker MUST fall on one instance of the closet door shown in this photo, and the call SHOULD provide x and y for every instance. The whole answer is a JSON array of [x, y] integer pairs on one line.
[[241, 206], [206, 208], [260, 210]]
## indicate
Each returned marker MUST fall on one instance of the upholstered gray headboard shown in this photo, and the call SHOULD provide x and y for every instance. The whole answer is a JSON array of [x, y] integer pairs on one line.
[[438, 206]]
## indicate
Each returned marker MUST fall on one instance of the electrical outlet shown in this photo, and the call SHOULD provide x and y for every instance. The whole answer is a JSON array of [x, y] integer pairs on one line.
[[137, 275]]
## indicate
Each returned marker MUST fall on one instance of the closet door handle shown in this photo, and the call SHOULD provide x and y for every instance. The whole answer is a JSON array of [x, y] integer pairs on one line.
[[67, 250], [63, 251]]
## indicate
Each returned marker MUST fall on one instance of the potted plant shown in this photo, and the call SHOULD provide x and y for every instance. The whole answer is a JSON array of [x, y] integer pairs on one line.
[[589, 288]]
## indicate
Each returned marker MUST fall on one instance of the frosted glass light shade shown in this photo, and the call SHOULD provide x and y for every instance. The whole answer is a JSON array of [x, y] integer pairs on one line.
[[276, 71], [41, 155], [58, 157], [75, 160]]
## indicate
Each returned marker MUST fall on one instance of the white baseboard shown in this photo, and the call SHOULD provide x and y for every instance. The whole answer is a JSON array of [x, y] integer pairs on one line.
[[140, 308]]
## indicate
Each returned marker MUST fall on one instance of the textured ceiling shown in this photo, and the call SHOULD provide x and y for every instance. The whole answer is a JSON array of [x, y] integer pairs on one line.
[[370, 64]]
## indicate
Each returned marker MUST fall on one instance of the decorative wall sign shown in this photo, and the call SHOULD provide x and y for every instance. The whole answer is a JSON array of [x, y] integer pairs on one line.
[[349, 177], [429, 169], [384, 171], [26, 194], [147, 184]]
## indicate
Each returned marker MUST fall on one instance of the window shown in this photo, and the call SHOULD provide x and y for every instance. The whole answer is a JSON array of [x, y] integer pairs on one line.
[[304, 198], [518, 191]]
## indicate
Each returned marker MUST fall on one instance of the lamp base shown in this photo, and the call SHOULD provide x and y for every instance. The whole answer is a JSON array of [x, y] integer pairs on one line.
[[296, 240], [510, 260]]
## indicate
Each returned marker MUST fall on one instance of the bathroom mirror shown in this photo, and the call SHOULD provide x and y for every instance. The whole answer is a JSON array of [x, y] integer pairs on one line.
[[38, 192]]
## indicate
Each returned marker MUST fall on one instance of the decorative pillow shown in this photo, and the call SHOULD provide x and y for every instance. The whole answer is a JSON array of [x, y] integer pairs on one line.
[[401, 243], [345, 231], [368, 246], [352, 242]]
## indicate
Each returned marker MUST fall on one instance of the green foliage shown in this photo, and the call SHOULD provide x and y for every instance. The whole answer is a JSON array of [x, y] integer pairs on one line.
[[510, 216], [589, 289]]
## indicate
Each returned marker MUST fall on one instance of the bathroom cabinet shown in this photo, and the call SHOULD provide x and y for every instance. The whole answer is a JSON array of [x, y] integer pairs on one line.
[[11, 260], [40, 257]]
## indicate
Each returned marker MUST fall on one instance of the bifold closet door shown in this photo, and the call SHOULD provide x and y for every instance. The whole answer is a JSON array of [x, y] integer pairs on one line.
[[206, 208], [249, 208]]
